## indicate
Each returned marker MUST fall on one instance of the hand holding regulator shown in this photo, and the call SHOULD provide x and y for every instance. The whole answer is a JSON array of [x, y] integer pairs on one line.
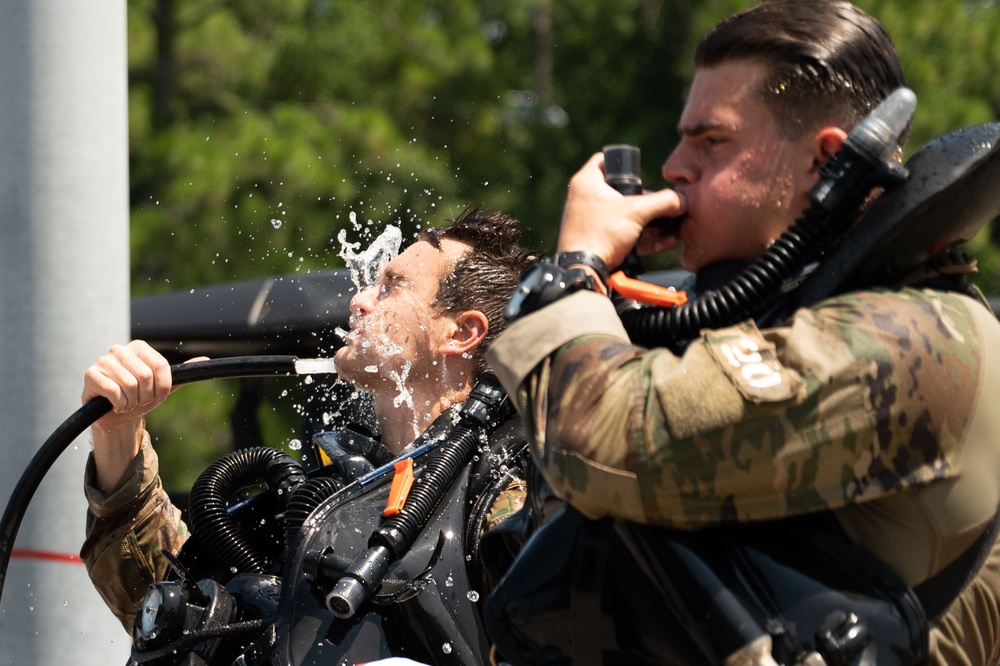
[[562, 275]]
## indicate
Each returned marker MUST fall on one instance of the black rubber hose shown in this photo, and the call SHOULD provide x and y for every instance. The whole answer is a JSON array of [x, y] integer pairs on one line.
[[443, 467], [192, 638], [208, 506], [84, 417], [304, 501], [752, 290]]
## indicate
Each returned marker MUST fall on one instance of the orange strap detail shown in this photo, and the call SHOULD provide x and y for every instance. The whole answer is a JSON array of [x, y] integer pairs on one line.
[[646, 292], [402, 480]]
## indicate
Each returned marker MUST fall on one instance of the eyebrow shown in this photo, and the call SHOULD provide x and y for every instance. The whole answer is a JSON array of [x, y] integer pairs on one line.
[[390, 274], [700, 128]]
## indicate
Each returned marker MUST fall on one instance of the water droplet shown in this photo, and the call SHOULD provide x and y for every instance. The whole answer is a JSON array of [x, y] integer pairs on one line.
[[295, 444], [276, 223], [473, 596], [446, 648]]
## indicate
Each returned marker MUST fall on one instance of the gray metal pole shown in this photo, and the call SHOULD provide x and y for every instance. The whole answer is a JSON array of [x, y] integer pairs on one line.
[[63, 300]]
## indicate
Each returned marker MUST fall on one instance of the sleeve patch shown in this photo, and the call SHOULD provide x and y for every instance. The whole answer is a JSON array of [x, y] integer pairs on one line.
[[751, 364]]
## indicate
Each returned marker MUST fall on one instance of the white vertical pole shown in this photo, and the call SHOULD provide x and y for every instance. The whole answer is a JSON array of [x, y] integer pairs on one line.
[[63, 300]]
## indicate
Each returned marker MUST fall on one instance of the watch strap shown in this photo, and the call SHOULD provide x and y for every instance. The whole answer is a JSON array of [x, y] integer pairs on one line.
[[584, 258]]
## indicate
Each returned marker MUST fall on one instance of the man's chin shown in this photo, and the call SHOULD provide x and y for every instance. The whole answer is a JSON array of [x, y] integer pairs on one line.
[[346, 363]]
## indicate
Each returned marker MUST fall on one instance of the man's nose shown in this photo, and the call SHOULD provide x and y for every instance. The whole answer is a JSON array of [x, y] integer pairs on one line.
[[364, 300], [678, 170]]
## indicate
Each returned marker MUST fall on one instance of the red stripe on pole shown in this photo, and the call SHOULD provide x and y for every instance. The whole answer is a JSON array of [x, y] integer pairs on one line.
[[47, 555]]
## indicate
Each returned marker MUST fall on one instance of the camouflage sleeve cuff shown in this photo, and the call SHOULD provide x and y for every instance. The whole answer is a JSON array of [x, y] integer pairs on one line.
[[138, 481], [528, 341]]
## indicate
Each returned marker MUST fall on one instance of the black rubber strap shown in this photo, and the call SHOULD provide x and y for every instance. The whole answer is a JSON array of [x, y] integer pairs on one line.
[[584, 258]]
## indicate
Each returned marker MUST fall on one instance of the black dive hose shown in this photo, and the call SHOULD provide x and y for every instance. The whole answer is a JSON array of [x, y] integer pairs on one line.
[[484, 410], [845, 182], [81, 419], [306, 499], [208, 505]]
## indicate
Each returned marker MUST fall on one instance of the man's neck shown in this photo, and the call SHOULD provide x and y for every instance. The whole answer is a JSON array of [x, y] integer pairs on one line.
[[402, 417]]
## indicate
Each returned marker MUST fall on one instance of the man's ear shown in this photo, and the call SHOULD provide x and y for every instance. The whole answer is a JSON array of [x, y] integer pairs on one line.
[[468, 332], [826, 143]]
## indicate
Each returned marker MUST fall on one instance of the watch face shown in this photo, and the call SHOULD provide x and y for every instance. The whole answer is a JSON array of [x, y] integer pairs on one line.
[[515, 305]]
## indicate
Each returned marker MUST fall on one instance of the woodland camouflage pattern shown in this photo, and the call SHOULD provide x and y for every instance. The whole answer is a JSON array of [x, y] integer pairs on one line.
[[864, 395], [126, 534]]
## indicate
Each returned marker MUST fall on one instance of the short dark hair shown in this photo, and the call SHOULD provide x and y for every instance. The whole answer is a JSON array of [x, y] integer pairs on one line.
[[486, 276], [829, 62]]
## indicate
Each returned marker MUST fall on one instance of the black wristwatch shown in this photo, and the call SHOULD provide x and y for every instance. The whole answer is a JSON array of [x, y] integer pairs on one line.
[[584, 258], [545, 284]]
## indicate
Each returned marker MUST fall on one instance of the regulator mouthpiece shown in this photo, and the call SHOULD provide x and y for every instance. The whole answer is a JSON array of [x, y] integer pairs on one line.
[[623, 168]]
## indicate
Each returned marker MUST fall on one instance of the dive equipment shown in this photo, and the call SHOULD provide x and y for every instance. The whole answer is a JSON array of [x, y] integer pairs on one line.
[[485, 408], [622, 171], [246, 592]]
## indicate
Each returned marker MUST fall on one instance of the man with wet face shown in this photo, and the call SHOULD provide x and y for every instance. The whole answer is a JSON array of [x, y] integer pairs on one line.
[[875, 407], [407, 346], [416, 343]]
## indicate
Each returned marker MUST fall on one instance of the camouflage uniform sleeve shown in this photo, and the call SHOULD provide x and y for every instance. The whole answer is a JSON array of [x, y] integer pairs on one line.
[[856, 398], [126, 533]]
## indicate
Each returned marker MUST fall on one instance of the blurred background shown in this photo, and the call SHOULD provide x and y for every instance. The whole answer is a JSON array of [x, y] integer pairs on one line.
[[261, 128]]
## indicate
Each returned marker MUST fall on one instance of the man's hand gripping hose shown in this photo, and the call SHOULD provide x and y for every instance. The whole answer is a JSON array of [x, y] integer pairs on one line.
[[85, 416]]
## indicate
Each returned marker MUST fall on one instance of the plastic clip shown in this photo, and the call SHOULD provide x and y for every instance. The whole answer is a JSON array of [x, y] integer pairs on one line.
[[402, 481], [646, 292]]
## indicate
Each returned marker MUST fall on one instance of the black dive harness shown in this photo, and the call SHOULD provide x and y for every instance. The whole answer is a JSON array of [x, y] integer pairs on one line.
[[257, 583], [791, 592]]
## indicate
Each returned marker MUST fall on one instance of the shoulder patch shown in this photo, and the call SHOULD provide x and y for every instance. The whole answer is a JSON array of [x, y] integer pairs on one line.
[[751, 364]]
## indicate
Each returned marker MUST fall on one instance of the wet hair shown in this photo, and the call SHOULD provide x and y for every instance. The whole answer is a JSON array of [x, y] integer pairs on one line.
[[485, 277], [828, 62]]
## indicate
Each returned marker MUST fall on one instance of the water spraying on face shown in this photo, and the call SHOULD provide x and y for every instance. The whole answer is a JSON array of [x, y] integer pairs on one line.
[[366, 266]]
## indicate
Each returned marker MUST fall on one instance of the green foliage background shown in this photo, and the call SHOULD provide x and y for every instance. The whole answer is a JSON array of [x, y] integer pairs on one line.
[[259, 127]]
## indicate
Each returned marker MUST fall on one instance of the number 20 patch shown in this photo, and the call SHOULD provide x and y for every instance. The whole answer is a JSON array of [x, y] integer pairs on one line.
[[749, 361]]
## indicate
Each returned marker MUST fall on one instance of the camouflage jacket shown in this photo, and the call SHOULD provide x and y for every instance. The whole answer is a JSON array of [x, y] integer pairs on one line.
[[126, 533], [872, 395]]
